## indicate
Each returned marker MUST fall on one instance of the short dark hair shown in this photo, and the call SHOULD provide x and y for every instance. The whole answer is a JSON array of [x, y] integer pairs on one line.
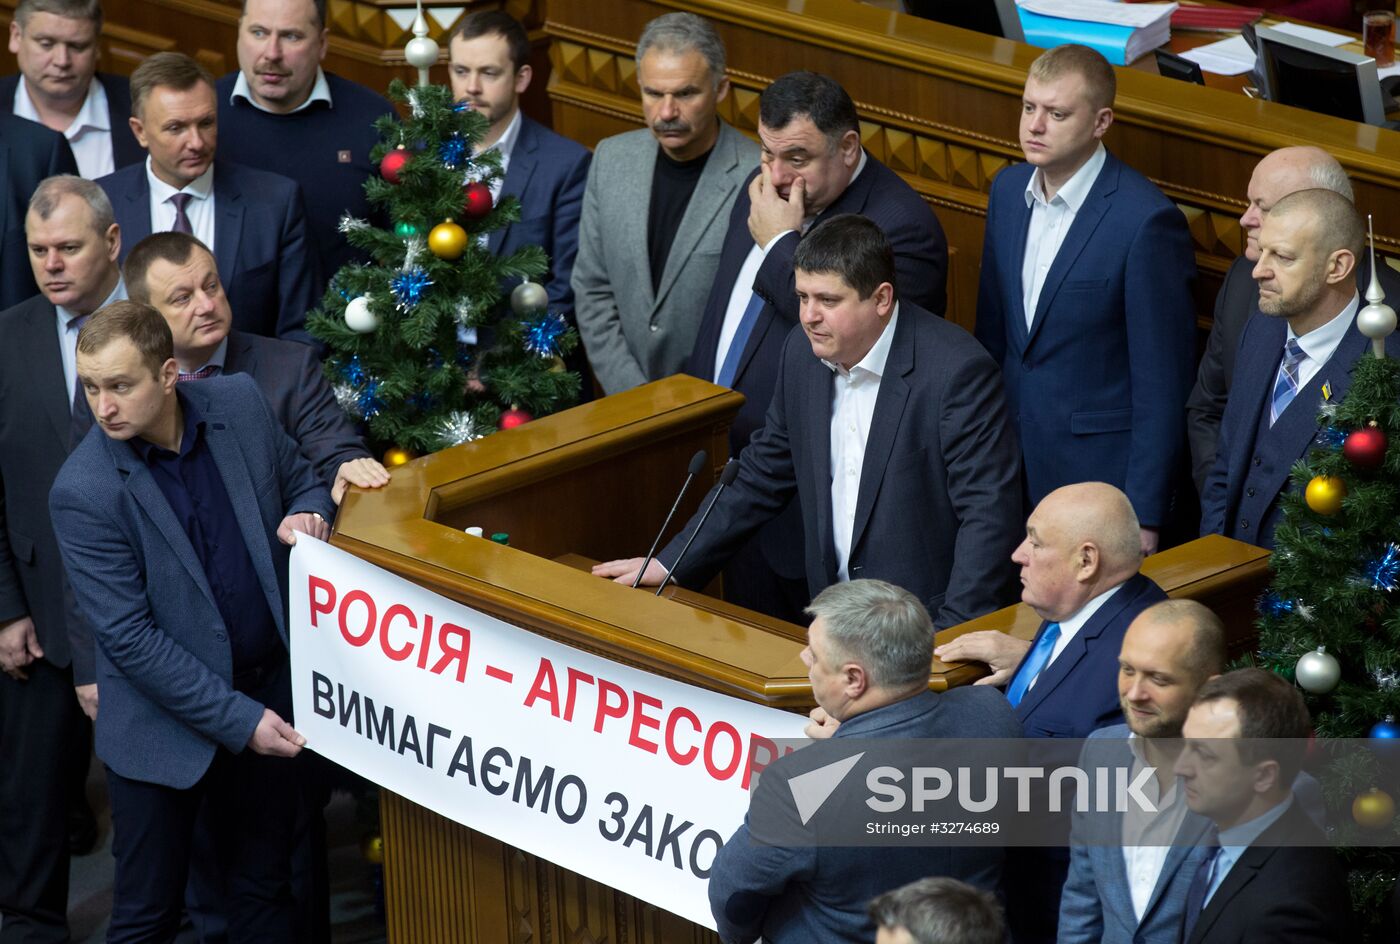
[[502, 24], [140, 324], [173, 70], [68, 9], [941, 910], [175, 248], [811, 94], [320, 6], [851, 246], [1274, 720]]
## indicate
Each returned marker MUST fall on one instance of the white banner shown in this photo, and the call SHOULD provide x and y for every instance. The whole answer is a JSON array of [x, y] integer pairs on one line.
[[628, 778]]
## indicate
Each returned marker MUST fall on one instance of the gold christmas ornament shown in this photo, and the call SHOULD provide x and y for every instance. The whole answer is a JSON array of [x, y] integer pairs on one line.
[[1373, 809], [1325, 493], [397, 456], [447, 240]]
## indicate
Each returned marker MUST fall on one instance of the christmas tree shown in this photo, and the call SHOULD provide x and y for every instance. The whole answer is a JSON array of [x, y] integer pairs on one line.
[[423, 352], [1330, 620]]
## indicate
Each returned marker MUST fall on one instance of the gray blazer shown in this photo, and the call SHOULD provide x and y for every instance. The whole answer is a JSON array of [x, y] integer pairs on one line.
[[632, 334]]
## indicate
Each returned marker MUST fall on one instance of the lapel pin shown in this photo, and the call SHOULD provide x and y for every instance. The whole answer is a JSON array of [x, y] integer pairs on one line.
[[1327, 390], [343, 157]]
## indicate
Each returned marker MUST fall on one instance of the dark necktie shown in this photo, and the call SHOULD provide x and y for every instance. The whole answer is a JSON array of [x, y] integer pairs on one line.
[[81, 417], [182, 222], [1200, 884], [204, 373]]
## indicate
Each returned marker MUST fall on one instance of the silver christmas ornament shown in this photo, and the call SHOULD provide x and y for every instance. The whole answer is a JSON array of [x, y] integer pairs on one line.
[[528, 298], [358, 316], [421, 52], [1318, 671], [1377, 319], [456, 428]]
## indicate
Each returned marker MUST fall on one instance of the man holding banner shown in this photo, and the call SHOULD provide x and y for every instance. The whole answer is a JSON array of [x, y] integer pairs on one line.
[[171, 516]]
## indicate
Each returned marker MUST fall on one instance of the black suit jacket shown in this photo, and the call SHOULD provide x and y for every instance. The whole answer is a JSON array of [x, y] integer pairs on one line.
[[34, 438], [269, 270], [1278, 893], [125, 149], [938, 509], [290, 377], [1237, 299], [29, 152]]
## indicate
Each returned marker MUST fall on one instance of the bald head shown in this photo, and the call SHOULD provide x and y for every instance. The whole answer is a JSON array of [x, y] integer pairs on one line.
[[1169, 651], [1193, 631], [1333, 221], [1281, 173], [1081, 541]]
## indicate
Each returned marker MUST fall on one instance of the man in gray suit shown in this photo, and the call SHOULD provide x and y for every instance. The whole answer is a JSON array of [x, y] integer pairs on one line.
[[1135, 893], [655, 210]]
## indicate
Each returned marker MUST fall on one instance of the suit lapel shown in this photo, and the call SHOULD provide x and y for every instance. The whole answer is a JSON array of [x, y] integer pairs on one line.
[[239, 357], [632, 215], [1011, 262], [238, 482], [1244, 871], [884, 425], [228, 224], [45, 362], [816, 405], [1086, 221], [147, 494], [522, 166], [737, 243], [1188, 837], [1078, 647], [712, 194]]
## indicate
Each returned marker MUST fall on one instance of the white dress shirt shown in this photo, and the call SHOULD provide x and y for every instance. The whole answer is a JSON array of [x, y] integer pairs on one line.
[[199, 210], [1148, 837], [1050, 223], [742, 291], [90, 133], [1069, 628], [504, 145], [1320, 344], [853, 397], [68, 337], [320, 92]]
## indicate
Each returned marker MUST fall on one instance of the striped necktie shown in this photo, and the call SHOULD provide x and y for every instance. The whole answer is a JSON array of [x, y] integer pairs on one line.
[[1286, 384], [205, 372]]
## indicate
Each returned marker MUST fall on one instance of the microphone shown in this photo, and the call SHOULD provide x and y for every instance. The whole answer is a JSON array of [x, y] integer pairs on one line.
[[726, 478], [697, 465]]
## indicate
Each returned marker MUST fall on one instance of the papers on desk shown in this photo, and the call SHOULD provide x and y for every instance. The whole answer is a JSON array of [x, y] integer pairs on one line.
[[1234, 57], [1121, 31]]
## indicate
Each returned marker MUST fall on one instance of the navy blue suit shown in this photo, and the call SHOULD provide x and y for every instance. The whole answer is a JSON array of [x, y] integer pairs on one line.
[[29, 152], [125, 148], [269, 269], [1098, 383], [817, 893], [1252, 460], [547, 174]]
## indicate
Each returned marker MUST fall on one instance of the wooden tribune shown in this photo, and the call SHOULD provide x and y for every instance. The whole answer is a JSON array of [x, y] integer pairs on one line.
[[595, 482]]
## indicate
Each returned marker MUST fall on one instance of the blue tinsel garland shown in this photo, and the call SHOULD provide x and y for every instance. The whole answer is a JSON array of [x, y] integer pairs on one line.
[[542, 334], [408, 288]]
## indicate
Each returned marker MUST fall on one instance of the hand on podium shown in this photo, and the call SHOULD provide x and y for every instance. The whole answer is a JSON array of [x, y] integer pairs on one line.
[[625, 571], [1002, 653]]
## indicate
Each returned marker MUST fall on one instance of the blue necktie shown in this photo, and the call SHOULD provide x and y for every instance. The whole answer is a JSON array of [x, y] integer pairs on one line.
[[1036, 660], [1200, 885], [1286, 384], [730, 367]]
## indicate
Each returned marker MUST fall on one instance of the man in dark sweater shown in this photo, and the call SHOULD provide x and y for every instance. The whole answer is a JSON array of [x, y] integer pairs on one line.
[[282, 113]]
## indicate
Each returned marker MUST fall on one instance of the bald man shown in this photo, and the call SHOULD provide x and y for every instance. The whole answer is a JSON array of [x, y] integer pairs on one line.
[[1280, 173], [1079, 573], [1294, 354]]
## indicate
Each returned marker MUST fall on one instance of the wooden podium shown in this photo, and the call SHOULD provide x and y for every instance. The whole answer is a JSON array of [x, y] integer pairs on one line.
[[594, 483]]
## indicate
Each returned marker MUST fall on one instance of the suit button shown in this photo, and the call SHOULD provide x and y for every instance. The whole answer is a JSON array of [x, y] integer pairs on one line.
[[1257, 460], [1244, 524], [1249, 492], [1026, 367], [220, 637], [656, 327]]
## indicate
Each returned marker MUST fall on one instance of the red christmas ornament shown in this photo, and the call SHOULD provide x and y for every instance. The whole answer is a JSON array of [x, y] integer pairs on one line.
[[1365, 448], [476, 201], [392, 163], [514, 417]]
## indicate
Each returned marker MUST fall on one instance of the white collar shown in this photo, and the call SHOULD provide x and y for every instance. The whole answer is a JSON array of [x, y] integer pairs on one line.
[[1321, 343], [1073, 624], [199, 188], [873, 363], [94, 115], [1075, 190], [320, 92], [505, 144], [118, 295]]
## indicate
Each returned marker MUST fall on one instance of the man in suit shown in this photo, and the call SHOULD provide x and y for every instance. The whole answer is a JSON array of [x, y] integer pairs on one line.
[[177, 559], [1085, 262], [889, 426], [1294, 354], [813, 168], [1134, 893], [489, 66], [177, 276], [1268, 873], [252, 220], [867, 656], [28, 154], [938, 910], [1280, 173], [73, 246], [58, 85], [284, 114], [655, 208], [1079, 573]]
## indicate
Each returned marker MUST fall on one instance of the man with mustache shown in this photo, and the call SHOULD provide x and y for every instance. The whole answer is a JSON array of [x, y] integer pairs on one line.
[[253, 221], [282, 113], [655, 210]]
